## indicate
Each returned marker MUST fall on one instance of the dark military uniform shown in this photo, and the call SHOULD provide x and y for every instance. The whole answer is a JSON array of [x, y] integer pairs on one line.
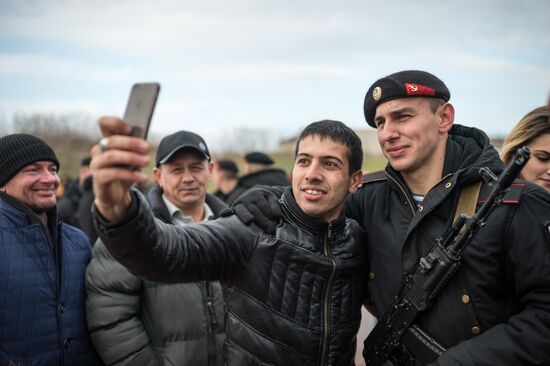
[[496, 310]]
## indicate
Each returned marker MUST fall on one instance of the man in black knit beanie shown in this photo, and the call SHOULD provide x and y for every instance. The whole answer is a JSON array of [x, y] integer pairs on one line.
[[42, 262]]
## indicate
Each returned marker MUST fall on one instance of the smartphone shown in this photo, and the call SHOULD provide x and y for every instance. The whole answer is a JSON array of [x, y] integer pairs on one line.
[[140, 107]]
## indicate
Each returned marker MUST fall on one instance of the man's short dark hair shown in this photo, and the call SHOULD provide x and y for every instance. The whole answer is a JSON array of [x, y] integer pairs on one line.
[[338, 132]]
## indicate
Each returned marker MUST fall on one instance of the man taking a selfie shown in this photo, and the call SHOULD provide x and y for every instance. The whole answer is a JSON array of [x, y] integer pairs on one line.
[[292, 298], [138, 322]]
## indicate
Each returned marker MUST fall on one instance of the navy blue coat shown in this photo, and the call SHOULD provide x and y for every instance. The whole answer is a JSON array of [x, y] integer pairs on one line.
[[42, 293]]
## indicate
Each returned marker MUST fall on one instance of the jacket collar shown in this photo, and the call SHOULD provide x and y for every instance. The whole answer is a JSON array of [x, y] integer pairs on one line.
[[154, 196], [24, 215], [293, 213], [468, 149]]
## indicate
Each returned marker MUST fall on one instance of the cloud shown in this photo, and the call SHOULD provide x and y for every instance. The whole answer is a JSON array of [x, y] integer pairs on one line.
[[50, 66], [249, 62]]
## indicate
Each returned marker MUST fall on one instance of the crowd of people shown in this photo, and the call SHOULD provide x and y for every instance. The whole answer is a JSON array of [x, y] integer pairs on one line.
[[273, 269]]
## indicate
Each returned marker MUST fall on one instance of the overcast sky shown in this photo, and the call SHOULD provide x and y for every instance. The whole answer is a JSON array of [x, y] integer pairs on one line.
[[274, 65]]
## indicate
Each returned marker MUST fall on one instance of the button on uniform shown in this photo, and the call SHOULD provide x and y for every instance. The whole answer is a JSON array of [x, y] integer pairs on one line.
[[465, 299], [476, 330], [371, 275], [67, 342]]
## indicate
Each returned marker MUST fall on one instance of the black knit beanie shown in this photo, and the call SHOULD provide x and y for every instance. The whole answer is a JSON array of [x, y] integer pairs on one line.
[[20, 150]]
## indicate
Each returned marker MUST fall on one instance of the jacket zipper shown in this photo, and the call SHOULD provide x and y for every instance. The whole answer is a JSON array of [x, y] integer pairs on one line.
[[326, 317], [404, 193], [55, 249], [209, 323]]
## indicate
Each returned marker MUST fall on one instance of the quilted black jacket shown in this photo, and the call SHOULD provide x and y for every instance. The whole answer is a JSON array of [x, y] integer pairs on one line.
[[293, 298]]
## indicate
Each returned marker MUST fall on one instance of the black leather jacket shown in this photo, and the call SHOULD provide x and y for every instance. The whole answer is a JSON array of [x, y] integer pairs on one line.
[[496, 309], [293, 298]]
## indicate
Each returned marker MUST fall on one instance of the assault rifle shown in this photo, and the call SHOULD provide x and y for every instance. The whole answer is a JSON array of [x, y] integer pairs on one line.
[[384, 345]]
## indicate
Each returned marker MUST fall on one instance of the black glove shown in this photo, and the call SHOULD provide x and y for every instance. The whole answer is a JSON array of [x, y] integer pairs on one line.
[[259, 206]]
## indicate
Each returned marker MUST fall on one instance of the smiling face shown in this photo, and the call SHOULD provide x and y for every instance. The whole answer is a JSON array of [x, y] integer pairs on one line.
[[184, 179], [35, 186], [412, 136], [537, 169], [321, 178]]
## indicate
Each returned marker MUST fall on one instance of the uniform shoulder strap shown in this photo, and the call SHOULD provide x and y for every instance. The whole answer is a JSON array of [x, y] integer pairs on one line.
[[372, 177], [512, 196]]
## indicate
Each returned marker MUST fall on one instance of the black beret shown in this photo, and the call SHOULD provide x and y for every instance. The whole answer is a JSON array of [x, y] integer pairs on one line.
[[403, 84], [228, 165], [258, 158]]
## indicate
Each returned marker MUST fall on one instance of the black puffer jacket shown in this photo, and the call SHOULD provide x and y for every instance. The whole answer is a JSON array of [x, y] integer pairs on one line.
[[496, 310], [293, 298]]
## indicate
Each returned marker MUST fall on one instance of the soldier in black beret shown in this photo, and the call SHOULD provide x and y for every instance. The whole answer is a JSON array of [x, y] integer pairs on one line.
[[403, 84], [259, 170], [496, 309], [258, 157]]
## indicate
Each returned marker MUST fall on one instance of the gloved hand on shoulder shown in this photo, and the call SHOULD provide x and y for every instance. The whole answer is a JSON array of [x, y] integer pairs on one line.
[[258, 205]]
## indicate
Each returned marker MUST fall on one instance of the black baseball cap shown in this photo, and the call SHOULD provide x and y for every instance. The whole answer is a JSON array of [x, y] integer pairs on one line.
[[170, 144], [403, 84]]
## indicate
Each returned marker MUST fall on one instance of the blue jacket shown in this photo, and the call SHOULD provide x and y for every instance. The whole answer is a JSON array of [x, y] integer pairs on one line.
[[42, 294]]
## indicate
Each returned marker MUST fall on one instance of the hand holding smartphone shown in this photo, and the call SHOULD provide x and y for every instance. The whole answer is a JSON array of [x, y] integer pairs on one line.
[[140, 107]]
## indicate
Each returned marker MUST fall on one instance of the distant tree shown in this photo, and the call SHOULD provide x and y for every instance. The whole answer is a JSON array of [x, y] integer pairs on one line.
[[244, 139], [5, 126], [70, 135]]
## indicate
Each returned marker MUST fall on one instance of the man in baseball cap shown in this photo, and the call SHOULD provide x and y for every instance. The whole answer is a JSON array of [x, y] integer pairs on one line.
[[181, 140], [42, 262], [184, 324]]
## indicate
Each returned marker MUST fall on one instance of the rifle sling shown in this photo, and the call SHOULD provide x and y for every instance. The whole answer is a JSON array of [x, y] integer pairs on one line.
[[468, 200]]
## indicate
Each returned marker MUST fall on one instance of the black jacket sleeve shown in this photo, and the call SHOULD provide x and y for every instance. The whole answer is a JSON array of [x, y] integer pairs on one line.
[[525, 338], [159, 252]]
